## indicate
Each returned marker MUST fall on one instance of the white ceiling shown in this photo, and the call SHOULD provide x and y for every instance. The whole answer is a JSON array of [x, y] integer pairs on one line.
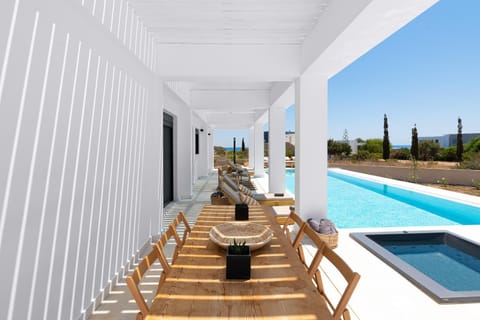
[[204, 23], [253, 22], [231, 59]]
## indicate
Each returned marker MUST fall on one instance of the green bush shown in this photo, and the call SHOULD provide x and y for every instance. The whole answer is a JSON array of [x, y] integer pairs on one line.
[[219, 150], [400, 154], [473, 146], [448, 154], [338, 149], [476, 184], [428, 150], [471, 160], [361, 155], [373, 146]]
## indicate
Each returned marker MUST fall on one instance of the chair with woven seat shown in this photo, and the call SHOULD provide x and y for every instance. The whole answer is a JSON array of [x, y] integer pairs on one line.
[[323, 251], [179, 220]]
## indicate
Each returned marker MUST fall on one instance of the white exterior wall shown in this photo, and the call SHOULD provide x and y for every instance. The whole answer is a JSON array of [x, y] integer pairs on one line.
[[201, 159], [183, 142], [78, 114]]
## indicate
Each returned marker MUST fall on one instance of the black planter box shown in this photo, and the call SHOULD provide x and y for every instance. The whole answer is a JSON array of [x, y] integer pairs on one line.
[[238, 265], [241, 211]]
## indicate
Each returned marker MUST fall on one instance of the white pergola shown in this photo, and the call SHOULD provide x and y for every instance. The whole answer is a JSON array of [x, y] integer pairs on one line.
[[84, 85], [238, 64]]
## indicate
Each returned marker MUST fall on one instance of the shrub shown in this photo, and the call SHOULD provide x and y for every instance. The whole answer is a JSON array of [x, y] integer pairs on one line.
[[448, 154], [428, 150], [473, 146], [400, 154], [443, 182], [373, 146], [361, 155], [476, 184], [471, 160]]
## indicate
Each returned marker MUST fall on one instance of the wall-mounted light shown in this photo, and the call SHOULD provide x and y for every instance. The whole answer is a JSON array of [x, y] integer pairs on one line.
[[201, 130], [209, 134]]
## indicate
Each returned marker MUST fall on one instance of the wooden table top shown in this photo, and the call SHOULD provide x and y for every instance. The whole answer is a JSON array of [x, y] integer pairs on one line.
[[196, 287]]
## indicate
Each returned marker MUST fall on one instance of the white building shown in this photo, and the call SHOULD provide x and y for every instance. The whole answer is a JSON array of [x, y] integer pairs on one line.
[[290, 137], [450, 140], [106, 108]]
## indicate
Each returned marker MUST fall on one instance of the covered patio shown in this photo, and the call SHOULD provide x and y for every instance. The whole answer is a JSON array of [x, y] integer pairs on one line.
[[108, 109]]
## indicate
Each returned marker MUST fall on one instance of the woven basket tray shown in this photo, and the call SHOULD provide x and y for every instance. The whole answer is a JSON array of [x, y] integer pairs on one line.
[[255, 235], [330, 239]]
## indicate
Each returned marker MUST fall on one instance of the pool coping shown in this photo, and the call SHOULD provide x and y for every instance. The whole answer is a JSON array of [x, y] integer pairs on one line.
[[446, 194], [432, 288]]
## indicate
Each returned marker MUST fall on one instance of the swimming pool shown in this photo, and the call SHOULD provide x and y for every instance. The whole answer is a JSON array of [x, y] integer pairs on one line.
[[358, 203], [442, 264]]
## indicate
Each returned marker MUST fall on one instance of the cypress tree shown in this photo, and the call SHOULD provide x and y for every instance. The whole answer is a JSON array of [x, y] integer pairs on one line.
[[414, 147], [234, 150], [459, 141], [386, 140], [243, 145]]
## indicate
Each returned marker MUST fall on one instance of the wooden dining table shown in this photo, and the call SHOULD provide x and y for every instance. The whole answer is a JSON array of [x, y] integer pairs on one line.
[[196, 286]]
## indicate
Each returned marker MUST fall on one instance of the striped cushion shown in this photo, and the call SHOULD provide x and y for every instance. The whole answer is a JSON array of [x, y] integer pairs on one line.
[[245, 190], [231, 194], [248, 200], [230, 182]]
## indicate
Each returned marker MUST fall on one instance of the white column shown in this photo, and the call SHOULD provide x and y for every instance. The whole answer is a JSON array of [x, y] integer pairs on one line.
[[276, 149], [311, 106], [184, 161], [259, 151], [211, 151], [251, 147]]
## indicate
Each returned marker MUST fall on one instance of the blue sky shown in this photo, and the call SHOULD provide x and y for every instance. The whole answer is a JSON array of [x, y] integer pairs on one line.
[[427, 73]]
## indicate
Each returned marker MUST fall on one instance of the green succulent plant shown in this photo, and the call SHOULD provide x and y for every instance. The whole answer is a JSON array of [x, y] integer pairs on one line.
[[238, 247]]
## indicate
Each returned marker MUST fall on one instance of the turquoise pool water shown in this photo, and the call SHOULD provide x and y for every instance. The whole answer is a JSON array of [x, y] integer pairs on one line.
[[459, 272], [358, 203]]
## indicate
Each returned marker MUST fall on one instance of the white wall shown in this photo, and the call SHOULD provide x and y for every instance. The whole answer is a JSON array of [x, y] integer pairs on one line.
[[183, 144], [78, 109], [201, 159]]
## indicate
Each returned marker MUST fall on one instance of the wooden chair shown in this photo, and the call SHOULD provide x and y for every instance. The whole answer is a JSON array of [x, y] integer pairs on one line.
[[299, 225], [134, 279], [180, 219], [291, 219], [160, 246], [312, 268], [323, 251]]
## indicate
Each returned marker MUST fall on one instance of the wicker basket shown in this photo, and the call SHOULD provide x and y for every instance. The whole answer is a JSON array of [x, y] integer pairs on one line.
[[330, 239], [223, 201]]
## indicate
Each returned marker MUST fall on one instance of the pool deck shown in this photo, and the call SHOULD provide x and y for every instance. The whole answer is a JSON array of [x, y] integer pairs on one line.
[[383, 293]]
